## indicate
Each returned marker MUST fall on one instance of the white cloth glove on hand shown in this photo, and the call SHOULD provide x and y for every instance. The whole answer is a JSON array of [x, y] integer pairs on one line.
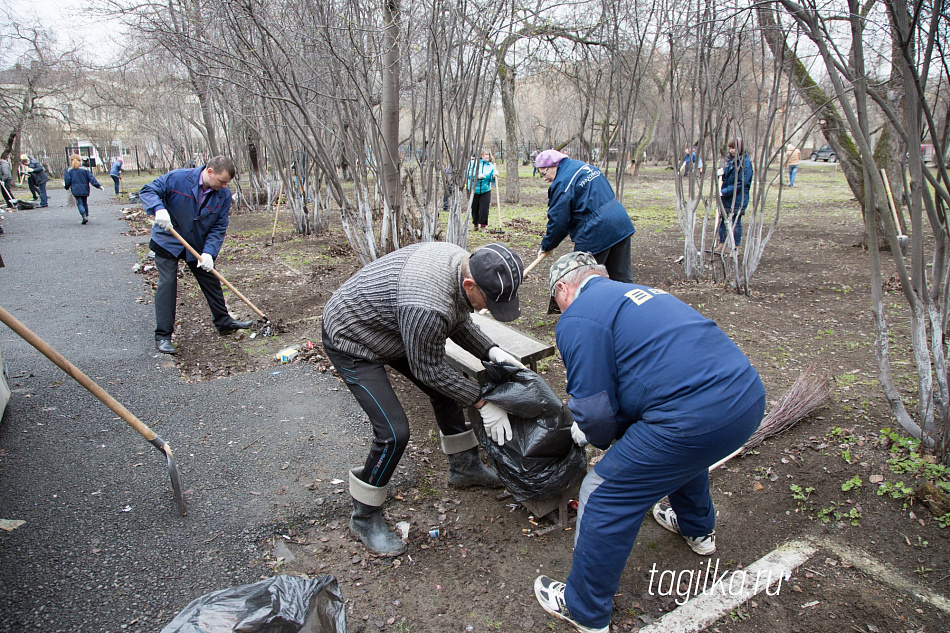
[[163, 219], [579, 438], [496, 423], [206, 262], [498, 355]]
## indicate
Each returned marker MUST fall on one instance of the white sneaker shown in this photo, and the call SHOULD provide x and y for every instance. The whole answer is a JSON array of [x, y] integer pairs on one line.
[[550, 594], [702, 545]]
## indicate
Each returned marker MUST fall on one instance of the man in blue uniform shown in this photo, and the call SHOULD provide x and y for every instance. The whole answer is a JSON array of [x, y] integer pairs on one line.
[[196, 202], [582, 204], [671, 393]]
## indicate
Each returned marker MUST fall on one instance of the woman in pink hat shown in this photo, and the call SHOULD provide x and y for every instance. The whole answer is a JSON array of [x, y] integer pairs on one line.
[[582, 204]]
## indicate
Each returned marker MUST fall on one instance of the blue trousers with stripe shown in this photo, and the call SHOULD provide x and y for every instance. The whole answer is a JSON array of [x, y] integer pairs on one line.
[[369, 384], [648, 463]]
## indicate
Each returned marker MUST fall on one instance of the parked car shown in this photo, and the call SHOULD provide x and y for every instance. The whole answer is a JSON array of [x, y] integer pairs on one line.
[[825, 153]]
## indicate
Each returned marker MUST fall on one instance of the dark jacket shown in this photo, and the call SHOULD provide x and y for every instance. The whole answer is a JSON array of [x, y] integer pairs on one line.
[[625, 348], [77, 181], [582, 204], [736, 182], [116, 169], [38, 173], [177, 192]]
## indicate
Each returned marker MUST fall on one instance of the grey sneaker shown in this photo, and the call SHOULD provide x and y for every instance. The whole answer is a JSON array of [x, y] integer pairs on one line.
[[702, 545], [550, 594]]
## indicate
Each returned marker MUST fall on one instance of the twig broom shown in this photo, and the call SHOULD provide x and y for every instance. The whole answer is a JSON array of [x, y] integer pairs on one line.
[[808, 394]]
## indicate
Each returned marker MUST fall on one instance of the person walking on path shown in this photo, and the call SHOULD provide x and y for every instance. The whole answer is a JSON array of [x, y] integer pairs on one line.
[[667, 394], [582, 204], [481, 175], [399, 311], [115, 172], [736, 182], [196, 202], [77, 180], [532, 157], [6, 179], [37, 177], [793, 158]]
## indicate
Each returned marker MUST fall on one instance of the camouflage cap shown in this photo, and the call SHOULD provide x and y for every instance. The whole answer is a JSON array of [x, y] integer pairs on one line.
[[564, 265]]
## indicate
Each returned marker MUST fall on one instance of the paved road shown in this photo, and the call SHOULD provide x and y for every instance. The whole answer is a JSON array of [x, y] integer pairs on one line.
[[103, 548]]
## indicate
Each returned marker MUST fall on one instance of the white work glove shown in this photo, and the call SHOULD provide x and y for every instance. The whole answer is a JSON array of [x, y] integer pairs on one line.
[[163, 219], [206, 262], [498, 355], [579, 438], [496, 423]]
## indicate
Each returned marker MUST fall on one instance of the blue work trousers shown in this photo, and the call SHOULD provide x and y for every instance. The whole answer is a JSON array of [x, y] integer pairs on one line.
[[649, 462]]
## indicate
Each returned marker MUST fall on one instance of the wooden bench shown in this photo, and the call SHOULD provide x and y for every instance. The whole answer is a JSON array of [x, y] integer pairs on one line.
[[529, 351]]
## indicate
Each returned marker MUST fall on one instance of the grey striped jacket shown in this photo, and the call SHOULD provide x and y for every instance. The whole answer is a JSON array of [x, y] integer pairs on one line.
[[405, 305]]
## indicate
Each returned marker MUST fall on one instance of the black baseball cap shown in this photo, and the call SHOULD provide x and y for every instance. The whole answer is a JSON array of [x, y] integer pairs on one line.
[[498, 271]]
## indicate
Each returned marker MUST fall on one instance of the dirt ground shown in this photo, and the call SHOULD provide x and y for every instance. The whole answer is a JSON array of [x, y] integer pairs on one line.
[[810, 304]]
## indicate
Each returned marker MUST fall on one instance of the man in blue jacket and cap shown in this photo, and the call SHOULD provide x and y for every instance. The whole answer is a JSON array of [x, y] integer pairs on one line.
[[582, 204], [667, 394], [196, 202]]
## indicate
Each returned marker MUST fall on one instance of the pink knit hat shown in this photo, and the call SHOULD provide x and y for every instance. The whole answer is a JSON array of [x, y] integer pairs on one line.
[[549, 158]]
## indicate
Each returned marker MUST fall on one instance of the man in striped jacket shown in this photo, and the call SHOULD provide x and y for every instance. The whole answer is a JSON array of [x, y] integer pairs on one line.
[[399, 311]]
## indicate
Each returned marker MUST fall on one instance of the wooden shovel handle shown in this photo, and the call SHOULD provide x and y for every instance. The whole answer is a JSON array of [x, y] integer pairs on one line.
[[27, 335], [534, 263], [277, 210], [890, 202], [215, 272]]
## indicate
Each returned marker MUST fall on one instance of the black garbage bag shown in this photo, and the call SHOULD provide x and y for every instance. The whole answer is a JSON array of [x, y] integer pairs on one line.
[[282, 604], [541, 460]]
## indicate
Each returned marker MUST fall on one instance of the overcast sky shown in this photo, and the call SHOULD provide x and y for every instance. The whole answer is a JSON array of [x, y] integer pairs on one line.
[[72, 22]]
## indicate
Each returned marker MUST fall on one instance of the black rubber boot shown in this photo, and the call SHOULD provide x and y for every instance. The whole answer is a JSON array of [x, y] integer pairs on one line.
[[368, 525], [467, 470]]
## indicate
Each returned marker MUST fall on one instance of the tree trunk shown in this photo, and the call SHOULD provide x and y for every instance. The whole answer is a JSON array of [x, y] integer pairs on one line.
[[506, 81], [390, 122]]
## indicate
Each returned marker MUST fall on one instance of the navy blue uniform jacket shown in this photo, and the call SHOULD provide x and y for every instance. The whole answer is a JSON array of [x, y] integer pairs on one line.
[[635, 353], [177, 192], [77, 181], [582, 204]]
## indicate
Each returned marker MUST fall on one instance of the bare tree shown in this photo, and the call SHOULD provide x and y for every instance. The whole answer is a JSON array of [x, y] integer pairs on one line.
[[915, 36]]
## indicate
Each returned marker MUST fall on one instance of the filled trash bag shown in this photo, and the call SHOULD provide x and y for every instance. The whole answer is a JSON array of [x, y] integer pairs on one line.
[[282, 604], [541, 460]]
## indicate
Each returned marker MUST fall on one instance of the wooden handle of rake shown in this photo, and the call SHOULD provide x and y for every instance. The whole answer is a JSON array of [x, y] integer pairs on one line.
[[216, 273], [277, 211], [890, 202], [534, 263], [30, 337]]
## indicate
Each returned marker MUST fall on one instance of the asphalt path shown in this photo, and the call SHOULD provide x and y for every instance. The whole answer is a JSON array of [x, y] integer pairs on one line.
[[103, 548]]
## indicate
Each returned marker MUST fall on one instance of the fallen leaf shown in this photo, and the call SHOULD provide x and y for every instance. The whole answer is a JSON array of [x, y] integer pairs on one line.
[[757, 486]]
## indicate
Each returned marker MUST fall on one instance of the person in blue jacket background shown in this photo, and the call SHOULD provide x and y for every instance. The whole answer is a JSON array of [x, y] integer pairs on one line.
[[582, 204], [667, 394], [736, 182], [481, 175], [77, 180], [116, 173], [196, 202]]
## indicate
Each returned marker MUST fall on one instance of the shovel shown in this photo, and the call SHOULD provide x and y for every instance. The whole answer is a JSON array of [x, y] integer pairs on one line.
[[216, 273], [534, 263], [901, 238], [27, 335], [276, 211]]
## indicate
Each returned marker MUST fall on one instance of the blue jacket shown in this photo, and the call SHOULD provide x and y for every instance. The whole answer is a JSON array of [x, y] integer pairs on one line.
[[582, 204], [736, 182], [481, 175], [116, 169], [78, 180], [177, 192], [635, 353]]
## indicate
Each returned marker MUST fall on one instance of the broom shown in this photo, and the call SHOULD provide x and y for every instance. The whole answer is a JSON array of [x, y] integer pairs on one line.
[[808, 394]]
